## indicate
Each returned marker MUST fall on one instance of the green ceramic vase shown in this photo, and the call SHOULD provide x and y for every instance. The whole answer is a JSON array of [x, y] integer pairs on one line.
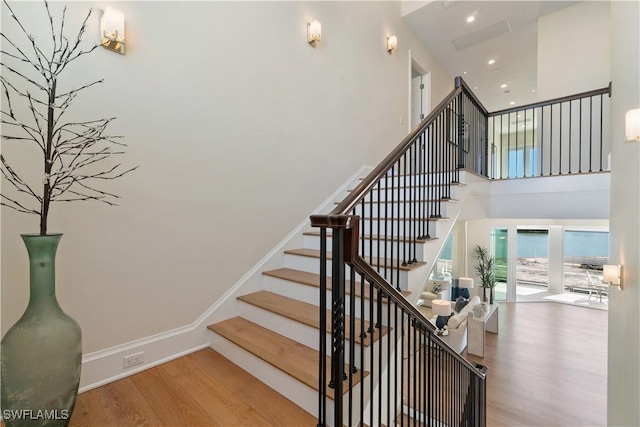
[[41, 355]]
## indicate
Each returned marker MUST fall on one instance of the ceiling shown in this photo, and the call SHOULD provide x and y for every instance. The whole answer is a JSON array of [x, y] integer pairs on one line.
[[505, 31]]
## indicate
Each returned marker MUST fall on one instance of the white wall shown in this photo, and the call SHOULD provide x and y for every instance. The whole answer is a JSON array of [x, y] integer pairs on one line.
[[573, 50], [240, 129], [624, 316], [583, 196]]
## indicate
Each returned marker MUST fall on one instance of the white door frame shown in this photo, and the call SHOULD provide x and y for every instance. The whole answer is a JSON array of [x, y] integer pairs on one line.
[[415, 62]]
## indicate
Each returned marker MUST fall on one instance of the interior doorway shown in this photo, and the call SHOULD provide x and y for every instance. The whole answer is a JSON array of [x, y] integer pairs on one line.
[[419, 92]]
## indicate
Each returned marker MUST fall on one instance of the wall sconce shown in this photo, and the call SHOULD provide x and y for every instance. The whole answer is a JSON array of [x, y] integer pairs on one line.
[[112, 30], [465, 283], [314, 33], [633, 125], [392, 43], [612, 274]]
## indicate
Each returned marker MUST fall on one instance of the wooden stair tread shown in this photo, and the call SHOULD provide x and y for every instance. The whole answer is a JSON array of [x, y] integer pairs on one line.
[[307, 314], [313, 279], [291, 357], [376, 237], [314, 253]]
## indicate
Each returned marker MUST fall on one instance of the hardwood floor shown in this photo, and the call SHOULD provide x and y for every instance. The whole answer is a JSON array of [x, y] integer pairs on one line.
[[201, 389], [547, 367]]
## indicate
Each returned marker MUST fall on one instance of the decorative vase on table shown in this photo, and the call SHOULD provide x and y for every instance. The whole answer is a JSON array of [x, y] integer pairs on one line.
[[41, 354]]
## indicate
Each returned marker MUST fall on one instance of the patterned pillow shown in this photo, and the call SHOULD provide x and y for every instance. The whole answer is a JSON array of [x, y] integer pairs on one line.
[[460, 304], [436, 288]]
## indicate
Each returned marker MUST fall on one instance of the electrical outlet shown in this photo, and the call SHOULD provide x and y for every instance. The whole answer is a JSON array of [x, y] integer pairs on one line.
[[133, 360]]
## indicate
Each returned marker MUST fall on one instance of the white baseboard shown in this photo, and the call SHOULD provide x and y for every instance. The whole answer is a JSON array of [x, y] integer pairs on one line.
[[105, 366]]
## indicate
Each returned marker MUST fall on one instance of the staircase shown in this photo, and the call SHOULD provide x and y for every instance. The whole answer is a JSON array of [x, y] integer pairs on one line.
[[334, 327], [275, 333]]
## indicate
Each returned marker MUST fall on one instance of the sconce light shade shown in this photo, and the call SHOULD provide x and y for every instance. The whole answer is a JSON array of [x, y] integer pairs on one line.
[[392, 43], [612, 274], [314, 32], [112, 30], [633, 125]]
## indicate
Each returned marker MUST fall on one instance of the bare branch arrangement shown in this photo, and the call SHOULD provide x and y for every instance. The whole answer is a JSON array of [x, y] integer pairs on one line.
[[32, 111]]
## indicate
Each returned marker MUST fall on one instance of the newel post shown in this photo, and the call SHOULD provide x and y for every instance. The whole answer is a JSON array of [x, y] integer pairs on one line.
[[344, 247]]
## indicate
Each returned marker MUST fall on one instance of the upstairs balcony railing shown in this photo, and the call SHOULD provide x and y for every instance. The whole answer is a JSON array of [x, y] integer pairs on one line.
[[561, 136], [385, 364]]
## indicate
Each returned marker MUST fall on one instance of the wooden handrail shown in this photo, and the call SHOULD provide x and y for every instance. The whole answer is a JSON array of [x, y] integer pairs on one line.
[[375, 175], [372, 275], [590, 93], [461, 83]]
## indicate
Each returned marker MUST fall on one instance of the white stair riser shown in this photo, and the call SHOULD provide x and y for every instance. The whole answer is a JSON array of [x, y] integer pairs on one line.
[[297, 392], [389, 249], [312, 265], [423, 179], [413, 193], [299, 332], [397, 209], [311, 295], [399, 228]]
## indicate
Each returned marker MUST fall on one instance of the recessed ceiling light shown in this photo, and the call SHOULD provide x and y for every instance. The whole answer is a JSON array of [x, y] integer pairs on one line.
[[533, 90], [476, 88], [464, 72], [491, 61], [512, 103], [471, 18], [503, 85]]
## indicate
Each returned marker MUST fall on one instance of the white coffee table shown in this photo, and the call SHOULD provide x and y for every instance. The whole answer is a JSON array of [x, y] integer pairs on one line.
[[476, 327]]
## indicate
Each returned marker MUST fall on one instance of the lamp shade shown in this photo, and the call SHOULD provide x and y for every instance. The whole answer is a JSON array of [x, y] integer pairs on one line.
[[633, 125], [465, 282], [441, 307]]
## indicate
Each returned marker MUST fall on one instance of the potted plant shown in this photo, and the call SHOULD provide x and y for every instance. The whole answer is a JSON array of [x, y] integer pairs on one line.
[[41, 354], [485, 269]]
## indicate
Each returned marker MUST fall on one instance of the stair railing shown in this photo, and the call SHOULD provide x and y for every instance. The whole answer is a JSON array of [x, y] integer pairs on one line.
[[396, 370], [560, 136]]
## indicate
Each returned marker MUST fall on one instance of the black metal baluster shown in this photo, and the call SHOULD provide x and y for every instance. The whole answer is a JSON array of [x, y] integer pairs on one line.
[[337, 317], [405, 211], [379, 333], [393, 218], [590, 133], [580, 141], [377, 262], [542, 141], [601, 141], [363, 336], [570, 139], [352, 339], [414, 202], [560, 141], [322, 366], [551, 140], [525, 143]]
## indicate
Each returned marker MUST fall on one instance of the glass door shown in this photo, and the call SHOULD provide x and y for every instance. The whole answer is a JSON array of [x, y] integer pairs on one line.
[[499, 237], [532, 265]]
